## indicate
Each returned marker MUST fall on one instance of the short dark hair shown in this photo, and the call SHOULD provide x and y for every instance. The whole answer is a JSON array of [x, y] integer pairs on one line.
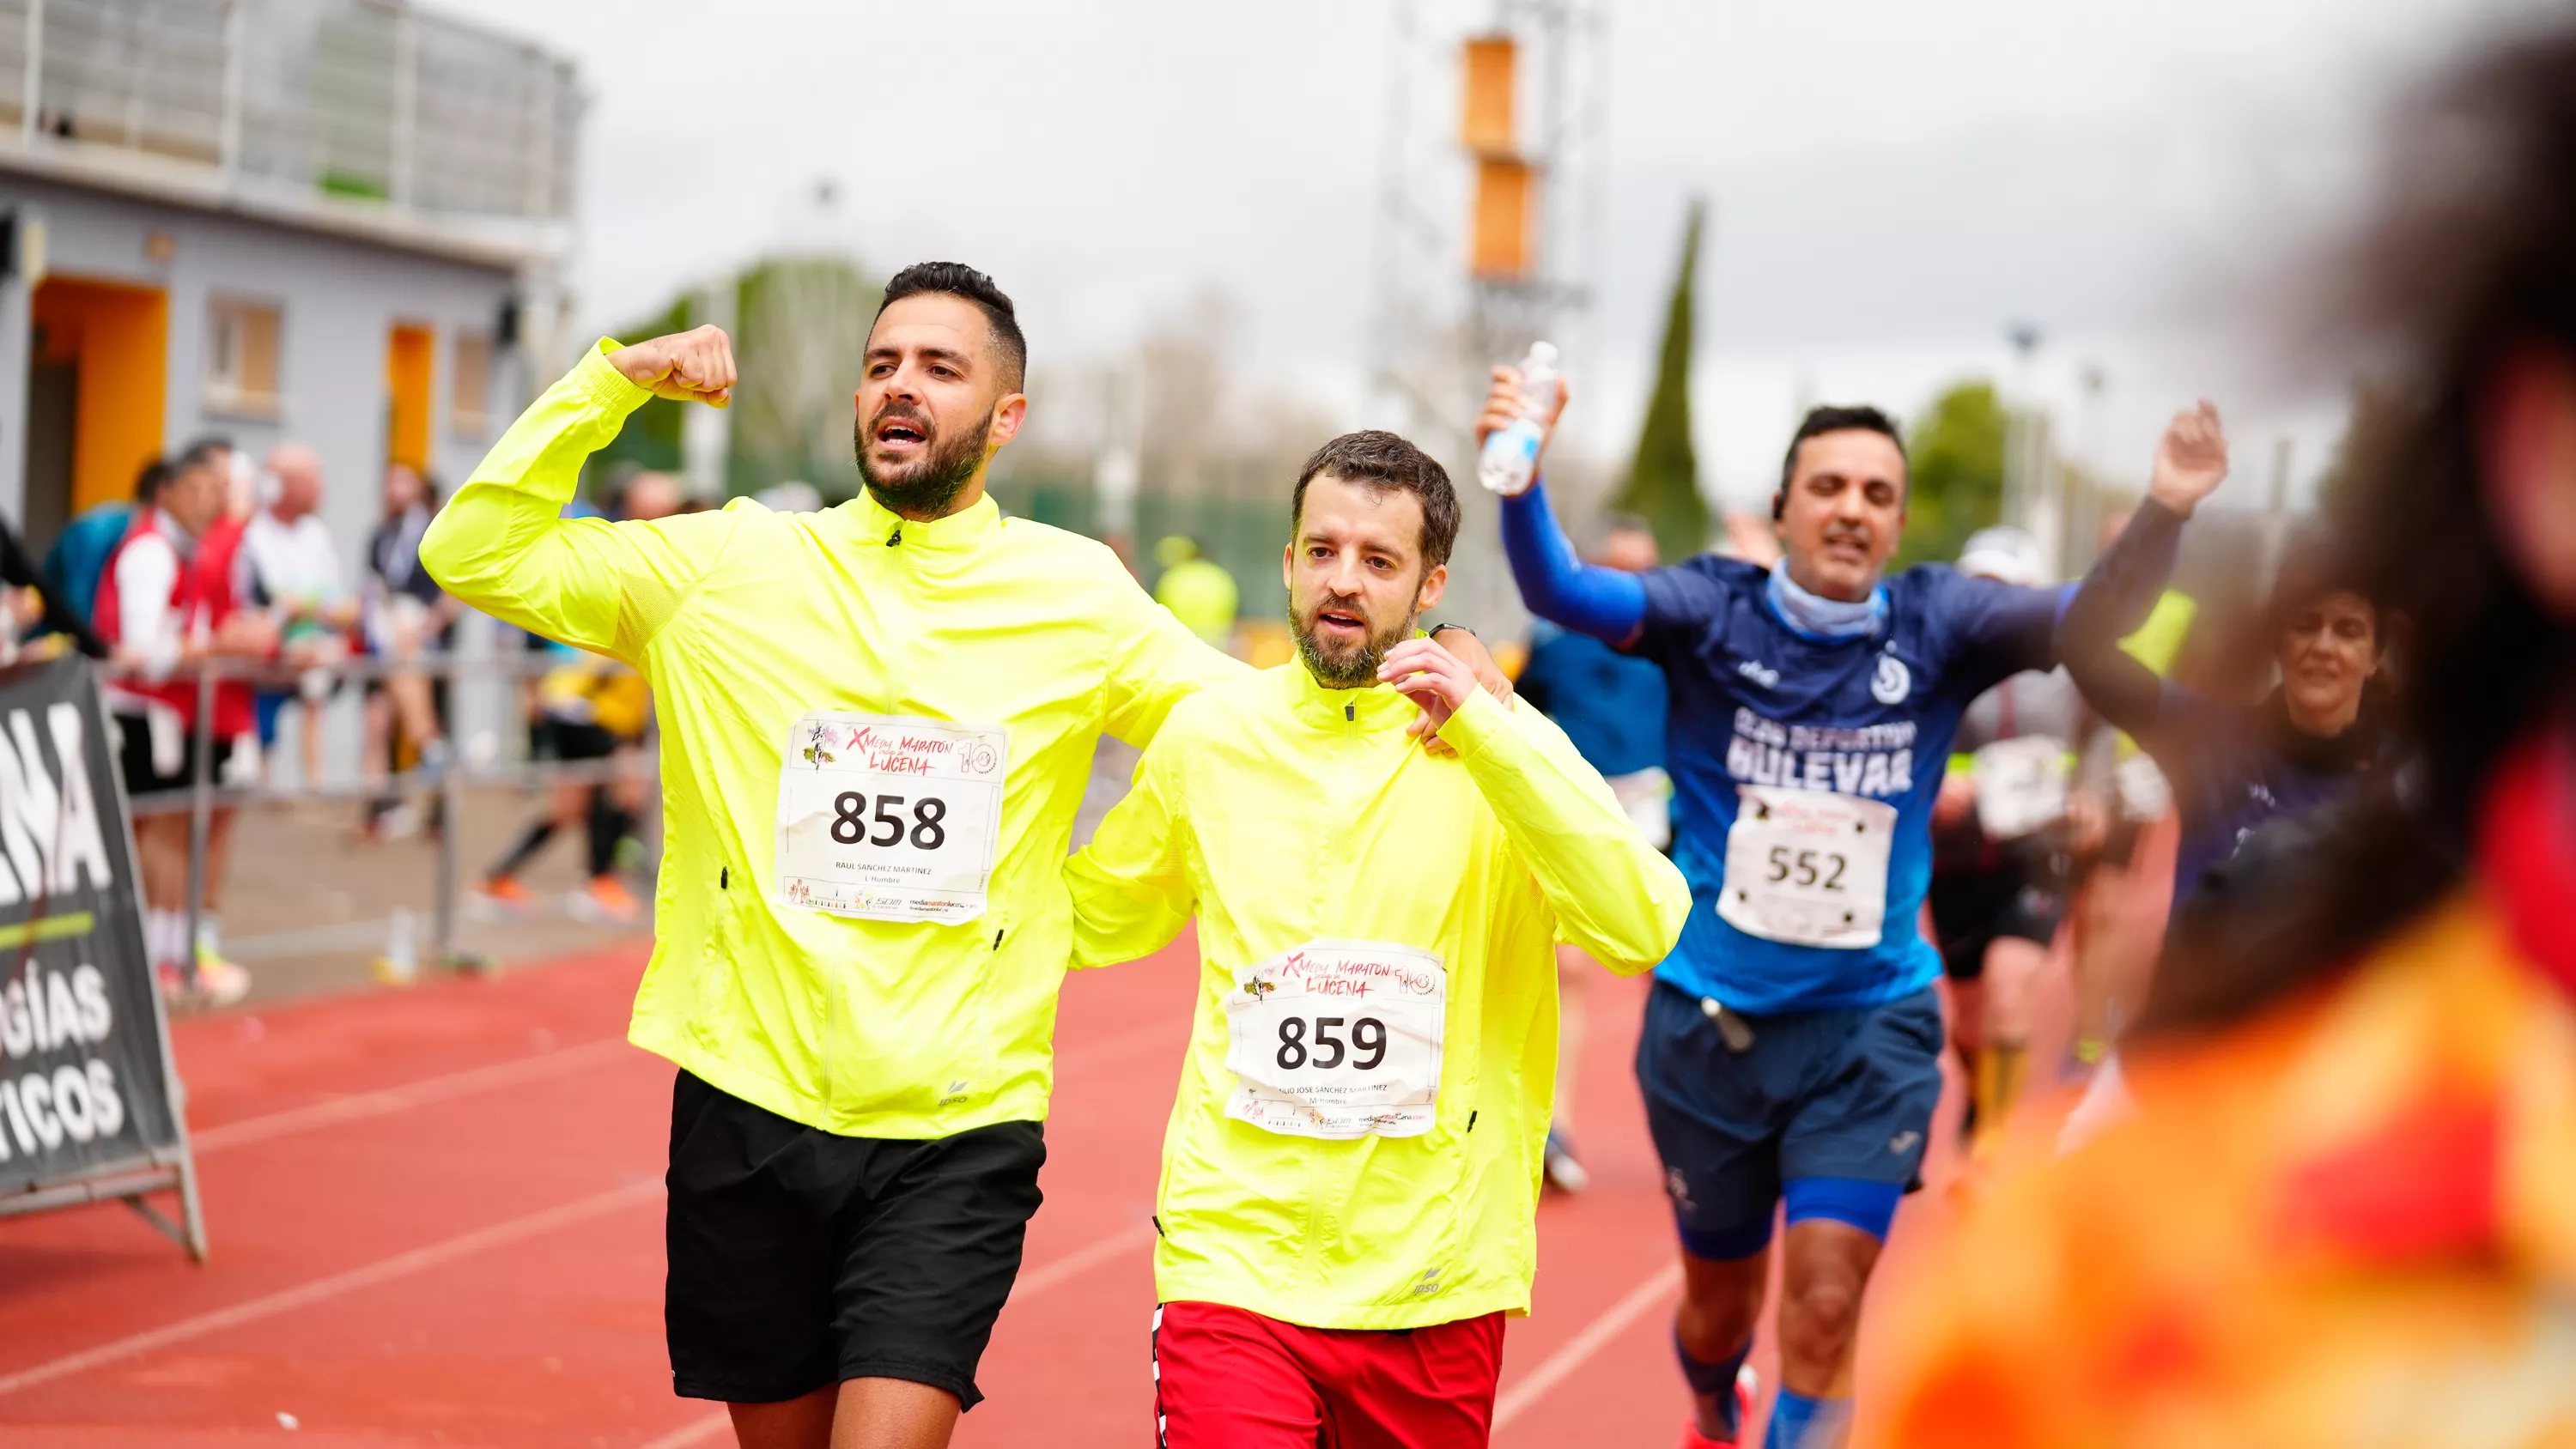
[[147, 484], [1382, 462], [956, 279], [1832, 419], [202, 452]]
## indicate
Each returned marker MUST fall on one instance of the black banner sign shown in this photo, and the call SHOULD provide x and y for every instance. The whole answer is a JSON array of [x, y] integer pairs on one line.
[[84, 1079]]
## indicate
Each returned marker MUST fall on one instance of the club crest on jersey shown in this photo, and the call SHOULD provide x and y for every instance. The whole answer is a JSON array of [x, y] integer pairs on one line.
[[1891, 681]]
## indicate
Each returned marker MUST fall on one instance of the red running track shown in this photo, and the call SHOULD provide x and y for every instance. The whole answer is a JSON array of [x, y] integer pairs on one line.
[[436, 1219]]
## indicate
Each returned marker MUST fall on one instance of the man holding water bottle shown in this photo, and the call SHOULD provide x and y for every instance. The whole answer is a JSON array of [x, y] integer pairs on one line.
[[1792, 1043]]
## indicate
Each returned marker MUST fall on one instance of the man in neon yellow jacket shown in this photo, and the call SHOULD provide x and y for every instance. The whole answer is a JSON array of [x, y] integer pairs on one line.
[[1351, 1170], [877, 721]]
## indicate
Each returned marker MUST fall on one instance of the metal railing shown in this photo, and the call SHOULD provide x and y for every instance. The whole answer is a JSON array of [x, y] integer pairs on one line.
[[449, 781], [366, 100]]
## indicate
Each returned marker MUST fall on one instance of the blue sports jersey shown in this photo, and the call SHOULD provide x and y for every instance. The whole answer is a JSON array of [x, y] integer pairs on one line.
[[1756, 702], [1609, 705]]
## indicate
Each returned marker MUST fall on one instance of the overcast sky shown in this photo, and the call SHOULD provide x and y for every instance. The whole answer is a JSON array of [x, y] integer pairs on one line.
[[1891, 182]]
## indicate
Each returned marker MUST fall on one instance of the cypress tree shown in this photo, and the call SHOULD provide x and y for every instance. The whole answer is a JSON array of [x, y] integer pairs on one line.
[[1663, 483]]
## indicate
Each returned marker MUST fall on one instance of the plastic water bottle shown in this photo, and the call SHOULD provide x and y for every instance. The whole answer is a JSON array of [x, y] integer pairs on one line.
[[1510, 458]]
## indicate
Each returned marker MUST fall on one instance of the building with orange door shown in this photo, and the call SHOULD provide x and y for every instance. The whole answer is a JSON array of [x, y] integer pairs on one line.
[[337, 221]]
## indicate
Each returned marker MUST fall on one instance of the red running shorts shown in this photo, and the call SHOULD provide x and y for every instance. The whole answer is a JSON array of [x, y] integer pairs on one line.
[[1228, 1378]]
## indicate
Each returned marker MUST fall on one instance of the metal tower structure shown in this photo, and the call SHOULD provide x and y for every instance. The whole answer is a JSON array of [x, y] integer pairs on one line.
[[1491, 201]]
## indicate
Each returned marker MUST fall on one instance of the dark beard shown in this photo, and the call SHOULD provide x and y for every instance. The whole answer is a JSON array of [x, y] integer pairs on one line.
[[926, 489], [1355, 670]]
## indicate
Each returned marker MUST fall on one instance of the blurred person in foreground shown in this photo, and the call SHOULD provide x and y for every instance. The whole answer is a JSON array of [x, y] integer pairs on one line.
[[2345, 1211], [404, 614], [2309, 743], [1791, 1054], [168, 600], [1612, 707], [1198, 591], [2003, 828], [1346, 1204], [295, 575]]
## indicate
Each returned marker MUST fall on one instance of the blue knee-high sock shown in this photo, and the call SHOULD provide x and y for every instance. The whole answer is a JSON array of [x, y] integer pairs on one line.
[[1799, 1422], [1715, 1380]]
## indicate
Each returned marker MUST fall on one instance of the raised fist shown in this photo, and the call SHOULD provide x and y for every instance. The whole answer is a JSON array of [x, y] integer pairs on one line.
[[696, 365], [2191, 459]]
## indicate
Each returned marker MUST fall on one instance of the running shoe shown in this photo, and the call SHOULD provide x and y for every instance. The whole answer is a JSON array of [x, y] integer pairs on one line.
[[503, 898], [1564, 1172], [1748, 1387], [604, 902], [219, 982]]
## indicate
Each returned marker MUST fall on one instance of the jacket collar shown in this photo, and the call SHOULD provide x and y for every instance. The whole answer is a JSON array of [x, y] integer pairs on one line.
[[1366, 710], [966, 529]]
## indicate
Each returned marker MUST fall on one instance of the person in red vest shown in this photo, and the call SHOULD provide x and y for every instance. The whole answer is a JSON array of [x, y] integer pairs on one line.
[[167, 601]]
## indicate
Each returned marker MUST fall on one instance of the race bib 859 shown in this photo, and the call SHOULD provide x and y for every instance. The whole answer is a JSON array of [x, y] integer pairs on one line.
[[1338, 1039], [888, 818]]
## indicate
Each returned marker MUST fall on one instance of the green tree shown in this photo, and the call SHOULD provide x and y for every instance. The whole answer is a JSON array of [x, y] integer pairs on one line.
[[1663, 482], [1955, 472]]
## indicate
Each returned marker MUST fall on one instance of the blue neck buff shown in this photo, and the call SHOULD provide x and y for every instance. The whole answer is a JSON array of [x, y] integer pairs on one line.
[[1827, 618]]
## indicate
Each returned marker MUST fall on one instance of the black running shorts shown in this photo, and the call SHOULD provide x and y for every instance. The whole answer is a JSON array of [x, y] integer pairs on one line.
[[800, 1259]]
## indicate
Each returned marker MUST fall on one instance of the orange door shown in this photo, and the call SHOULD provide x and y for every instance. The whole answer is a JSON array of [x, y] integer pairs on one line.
[[115, 342], [410, 358]]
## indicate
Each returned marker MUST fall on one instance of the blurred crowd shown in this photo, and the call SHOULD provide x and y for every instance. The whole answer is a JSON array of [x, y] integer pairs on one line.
[[223, 560]]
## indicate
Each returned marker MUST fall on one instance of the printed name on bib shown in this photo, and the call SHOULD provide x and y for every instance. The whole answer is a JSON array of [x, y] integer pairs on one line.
[[889, 818], [1338, 1039], [1807, 868]]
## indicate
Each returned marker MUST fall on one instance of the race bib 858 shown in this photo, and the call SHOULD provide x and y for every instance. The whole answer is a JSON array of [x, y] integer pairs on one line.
[[888, 818]]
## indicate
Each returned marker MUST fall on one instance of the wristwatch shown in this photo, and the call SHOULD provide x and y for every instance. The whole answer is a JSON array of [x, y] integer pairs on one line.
[[1434, 631]]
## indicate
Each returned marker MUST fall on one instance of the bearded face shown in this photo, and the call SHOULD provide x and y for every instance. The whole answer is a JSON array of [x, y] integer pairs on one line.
[[913, 466]]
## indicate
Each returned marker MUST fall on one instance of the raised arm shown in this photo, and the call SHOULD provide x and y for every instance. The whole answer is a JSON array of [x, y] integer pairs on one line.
[[1131, 885], [2125, 582], [500, 546], [1613, 894], [1555, 584]]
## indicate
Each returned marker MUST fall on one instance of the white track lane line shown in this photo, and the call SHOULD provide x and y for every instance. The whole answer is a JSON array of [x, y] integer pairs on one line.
[[562, 1061], [1596, 1335], [1030, 1285], [322, 1290]]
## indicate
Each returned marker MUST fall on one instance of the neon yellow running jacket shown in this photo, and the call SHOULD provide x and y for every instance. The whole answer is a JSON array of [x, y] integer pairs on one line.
[[866, 700], [1301, 824]]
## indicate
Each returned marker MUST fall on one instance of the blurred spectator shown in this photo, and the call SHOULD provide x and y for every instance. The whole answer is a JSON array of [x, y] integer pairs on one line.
[[79, 555], [404, 613], [589, 709], [36, 620], [167, 601], [296, 576], [1197, 589], [2344, 1212], [1611, 706]]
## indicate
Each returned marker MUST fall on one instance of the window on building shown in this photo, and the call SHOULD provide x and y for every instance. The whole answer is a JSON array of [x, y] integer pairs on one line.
[[241, 359], [470, 396]]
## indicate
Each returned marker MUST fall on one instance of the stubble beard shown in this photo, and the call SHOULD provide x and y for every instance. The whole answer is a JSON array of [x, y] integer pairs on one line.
[[928, 487]]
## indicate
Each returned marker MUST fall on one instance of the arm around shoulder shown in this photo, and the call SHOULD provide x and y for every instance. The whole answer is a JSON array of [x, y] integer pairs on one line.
[[1613, 894]]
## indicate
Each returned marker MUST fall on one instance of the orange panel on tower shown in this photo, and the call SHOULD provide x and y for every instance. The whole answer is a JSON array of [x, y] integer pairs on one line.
[[1500, 250], [1485, 126]]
